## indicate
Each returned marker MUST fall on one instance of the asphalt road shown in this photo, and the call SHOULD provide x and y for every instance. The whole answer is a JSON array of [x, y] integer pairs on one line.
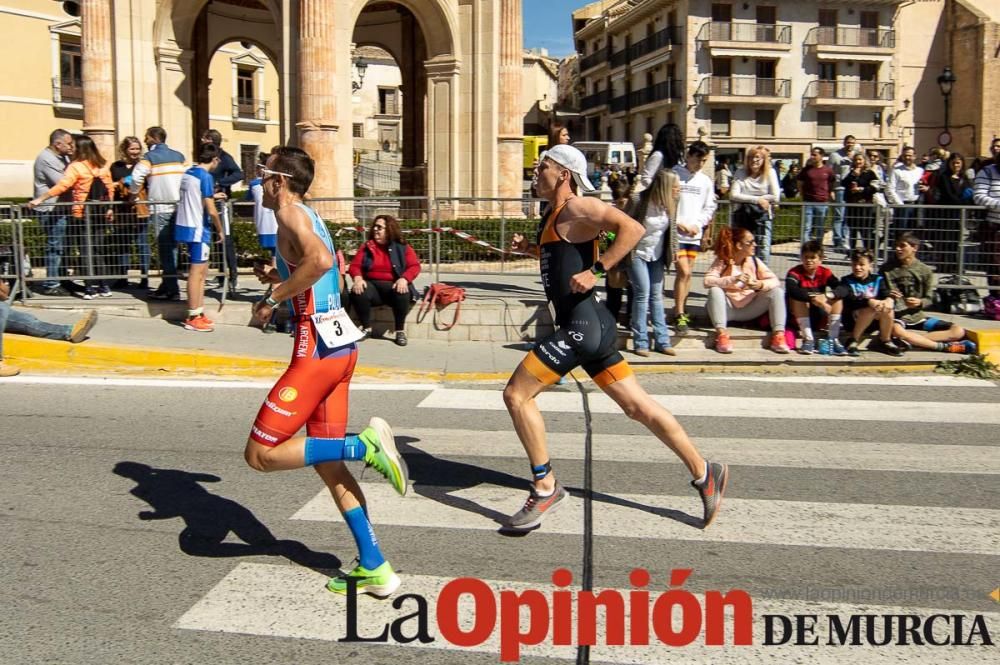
[[135, 533]]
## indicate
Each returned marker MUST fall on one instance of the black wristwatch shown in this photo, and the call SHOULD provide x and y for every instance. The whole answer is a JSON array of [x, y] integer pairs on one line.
[[598, 269]]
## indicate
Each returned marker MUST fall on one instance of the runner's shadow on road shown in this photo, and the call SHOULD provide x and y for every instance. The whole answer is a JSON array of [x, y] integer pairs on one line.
[[209, 518], [436, 477]]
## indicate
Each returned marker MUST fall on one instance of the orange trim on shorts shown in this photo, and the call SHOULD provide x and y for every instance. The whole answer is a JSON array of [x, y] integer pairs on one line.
[[539, 370], [687, 254], [616, 372]]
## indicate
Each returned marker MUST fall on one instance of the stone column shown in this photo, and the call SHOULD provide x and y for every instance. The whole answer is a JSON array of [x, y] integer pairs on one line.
[[98, 75], [443, 159], [318, 92], [175, 72], [510, 134]]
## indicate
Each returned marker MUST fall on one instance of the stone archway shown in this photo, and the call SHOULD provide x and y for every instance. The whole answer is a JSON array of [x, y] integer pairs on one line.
[[186, 34], [395, 29]]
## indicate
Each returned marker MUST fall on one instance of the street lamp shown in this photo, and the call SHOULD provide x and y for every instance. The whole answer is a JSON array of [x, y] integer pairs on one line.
[[360, 66], [945, 82]]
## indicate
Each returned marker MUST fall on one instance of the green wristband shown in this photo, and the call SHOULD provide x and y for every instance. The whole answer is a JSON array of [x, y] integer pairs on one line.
[[270, 302]]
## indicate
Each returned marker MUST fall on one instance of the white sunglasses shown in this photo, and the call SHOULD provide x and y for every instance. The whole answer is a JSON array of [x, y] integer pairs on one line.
[[263, 170]]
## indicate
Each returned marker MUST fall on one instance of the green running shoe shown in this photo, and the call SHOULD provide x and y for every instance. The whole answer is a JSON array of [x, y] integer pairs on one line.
[[381, 454], [381, 582]]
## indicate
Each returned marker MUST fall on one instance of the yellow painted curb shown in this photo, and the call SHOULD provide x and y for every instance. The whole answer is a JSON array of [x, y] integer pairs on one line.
[[43, 355], [27, 350], [988, 342]]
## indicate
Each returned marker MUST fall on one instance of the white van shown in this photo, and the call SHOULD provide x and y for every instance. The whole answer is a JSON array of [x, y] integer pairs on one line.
[[601, 153]]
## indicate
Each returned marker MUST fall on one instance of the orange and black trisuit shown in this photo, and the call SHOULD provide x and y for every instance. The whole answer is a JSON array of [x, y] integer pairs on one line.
[[586, 336]]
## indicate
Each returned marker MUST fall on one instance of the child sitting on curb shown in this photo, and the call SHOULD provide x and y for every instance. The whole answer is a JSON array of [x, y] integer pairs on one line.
[[865, 296], [809, 286], [911, 284]]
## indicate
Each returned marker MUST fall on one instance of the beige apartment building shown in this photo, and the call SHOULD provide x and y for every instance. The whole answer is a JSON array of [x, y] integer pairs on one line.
[[273, 71], [790, 74]]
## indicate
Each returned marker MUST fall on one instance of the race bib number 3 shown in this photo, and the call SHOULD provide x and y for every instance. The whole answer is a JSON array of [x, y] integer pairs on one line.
[[335, 328]]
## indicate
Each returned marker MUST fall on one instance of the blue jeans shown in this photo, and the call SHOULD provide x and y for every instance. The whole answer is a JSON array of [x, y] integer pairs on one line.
[[54, 223], [647, 293], [23, 323], [763, 237], [841, 232], [813, 212], [164, 224]]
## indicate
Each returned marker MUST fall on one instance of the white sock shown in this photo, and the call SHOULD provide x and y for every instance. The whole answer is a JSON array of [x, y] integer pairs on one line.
[[835, 326], [195, 312], [704, 479], [805, 327], [539, 492]]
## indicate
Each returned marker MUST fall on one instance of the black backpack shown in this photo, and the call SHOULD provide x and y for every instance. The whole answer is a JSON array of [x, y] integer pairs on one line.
[[956, 301], [98, 192]]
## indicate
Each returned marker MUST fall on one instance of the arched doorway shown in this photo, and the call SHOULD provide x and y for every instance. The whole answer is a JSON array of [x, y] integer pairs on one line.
[[243, 101], [187, 34]]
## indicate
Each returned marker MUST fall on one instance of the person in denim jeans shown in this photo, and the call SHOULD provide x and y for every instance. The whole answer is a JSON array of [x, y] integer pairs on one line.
[[49, 167], [21, 322], [816, 184], [841, 161], [161, 170], [655, 208]]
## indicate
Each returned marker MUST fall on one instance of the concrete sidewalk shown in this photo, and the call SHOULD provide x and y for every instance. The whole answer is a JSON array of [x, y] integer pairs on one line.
[[128, 339]]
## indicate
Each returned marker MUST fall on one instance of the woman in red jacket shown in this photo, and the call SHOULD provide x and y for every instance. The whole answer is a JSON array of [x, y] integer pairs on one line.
[[383, 271]]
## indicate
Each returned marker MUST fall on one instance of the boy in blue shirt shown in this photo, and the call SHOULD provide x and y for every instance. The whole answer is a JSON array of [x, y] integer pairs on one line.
[[196, 214]]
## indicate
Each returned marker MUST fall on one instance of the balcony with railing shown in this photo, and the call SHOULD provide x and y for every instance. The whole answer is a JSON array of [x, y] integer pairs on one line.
[[744, 90], [66, 93], [600, 98], [669, 91], [850, 93], [762, 36], [598, 57], [851, 41], [245, 109], [661, 40]]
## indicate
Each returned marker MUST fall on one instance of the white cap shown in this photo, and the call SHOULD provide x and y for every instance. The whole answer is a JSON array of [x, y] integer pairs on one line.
[[572, 160]]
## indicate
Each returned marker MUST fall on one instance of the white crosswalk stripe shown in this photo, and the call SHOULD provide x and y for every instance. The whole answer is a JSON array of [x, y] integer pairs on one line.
[[289, 601], [790, 453], [285, 601], [902, 528], [734, 407]]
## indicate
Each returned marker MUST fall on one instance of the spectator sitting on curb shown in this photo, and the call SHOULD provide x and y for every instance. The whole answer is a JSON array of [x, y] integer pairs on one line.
[[741, 288], [23, 323], [807, 286], [866, 299], [911, 285], [383, 271]]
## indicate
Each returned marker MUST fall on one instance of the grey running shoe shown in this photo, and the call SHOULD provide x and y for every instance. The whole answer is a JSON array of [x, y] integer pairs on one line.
[[535, 509], [711, 492]]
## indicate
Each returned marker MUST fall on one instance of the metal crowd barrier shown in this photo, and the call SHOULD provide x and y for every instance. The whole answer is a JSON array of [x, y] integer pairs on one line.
[[456, 234]]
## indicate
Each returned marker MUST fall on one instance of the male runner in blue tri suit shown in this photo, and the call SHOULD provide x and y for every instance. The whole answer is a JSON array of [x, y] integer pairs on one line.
[[586, 335], [314, 390]]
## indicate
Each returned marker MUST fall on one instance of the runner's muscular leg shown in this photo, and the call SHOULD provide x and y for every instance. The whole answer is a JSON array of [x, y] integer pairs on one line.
[[519, 396], [343, 486], [629, 394]]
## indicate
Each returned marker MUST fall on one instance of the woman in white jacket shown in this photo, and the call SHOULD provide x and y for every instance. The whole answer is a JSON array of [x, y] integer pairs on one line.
[[695, 209], [755, 193], [655, 207]]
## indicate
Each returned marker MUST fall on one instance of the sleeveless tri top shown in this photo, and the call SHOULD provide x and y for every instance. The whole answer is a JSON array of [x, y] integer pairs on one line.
[[324, 295], [561, 259]]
